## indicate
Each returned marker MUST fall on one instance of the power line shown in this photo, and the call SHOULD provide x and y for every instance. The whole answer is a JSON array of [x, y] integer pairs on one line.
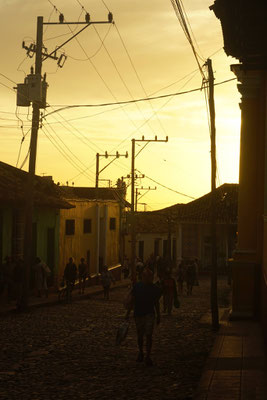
[[82, 137], [121, 78], [8, 87], [182, 18], [166, 187], [138, 77], [102, 79], [67, 148], [61, 151], [7, 78], [138, 100], [97, 51]]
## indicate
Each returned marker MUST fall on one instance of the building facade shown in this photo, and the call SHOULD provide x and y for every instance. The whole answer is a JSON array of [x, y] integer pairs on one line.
[[45, 228], [92, 229], [183, 230]]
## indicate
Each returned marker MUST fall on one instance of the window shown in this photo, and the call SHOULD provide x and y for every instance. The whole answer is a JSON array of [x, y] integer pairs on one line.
[[112, 224], [70, 226], [87, 226]]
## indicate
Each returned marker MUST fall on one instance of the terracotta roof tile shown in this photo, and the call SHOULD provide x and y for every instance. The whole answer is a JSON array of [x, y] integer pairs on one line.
[[13, 183]]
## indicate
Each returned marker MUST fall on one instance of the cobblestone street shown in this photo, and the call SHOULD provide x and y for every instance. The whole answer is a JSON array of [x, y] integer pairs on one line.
[[68, 351]]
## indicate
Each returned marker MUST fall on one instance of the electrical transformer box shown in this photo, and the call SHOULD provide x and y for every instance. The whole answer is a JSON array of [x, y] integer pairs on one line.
[[23, 95], [34, 87]]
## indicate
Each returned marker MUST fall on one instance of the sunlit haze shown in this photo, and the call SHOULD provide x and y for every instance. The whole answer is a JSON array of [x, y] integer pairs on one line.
[[153, 58]]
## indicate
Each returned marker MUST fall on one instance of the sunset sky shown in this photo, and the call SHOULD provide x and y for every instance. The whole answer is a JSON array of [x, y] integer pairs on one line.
[[144, 54]]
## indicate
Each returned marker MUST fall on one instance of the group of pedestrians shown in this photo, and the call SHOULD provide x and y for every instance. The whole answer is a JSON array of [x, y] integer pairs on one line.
[[12, 278], [71, 272], [144, 297]]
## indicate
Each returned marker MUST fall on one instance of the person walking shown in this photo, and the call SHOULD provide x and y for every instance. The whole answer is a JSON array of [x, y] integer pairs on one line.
[[83, 273], [106, 279], [169, 292], [190, 276], [139, 268], [145, 296], [41, 272], [181, 276], [70, 275]]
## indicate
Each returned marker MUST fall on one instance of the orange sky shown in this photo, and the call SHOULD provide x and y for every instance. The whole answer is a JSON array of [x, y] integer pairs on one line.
[[95, 73]]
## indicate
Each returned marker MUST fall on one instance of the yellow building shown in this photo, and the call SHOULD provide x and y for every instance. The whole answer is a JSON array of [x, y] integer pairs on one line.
[[92, 229]]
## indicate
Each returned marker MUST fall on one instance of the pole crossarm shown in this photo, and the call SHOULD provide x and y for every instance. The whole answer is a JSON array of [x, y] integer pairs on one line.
[[152, 140], [32, 47], [106, 155], [78, 23]]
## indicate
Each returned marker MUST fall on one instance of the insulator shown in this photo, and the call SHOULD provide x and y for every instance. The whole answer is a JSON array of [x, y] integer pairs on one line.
[[156, 138], [110, 17], [61, 61], [87, 17], [117, 154], [31, 50], [106, 154]]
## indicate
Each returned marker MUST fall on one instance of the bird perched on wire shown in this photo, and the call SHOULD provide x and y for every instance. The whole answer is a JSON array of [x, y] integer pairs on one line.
[[61, 18]]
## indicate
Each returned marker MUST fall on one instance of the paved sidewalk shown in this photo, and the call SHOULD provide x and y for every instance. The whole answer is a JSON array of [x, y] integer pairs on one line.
[[236, 368], [53, 298]]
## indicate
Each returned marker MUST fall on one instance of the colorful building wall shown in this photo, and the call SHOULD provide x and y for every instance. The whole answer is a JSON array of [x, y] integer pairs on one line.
[[98, 245], [45, 235], [47, 238]]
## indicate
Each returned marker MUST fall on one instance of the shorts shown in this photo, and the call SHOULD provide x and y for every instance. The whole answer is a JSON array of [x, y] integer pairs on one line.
[[145, 324]]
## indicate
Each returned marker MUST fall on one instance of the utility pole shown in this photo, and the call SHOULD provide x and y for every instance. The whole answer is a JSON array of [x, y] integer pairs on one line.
[[34, 91], [32, 162], [137, 193], [133, 230], [213, 292], [106, 155]]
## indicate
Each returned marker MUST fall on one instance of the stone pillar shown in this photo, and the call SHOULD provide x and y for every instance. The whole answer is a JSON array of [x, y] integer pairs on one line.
[[248, 256]]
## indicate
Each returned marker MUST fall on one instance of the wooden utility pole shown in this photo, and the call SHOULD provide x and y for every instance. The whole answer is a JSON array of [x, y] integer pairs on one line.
[[106, 155], [133, 222], [28, 250], [133, 235], [213, 292], [137, 193]]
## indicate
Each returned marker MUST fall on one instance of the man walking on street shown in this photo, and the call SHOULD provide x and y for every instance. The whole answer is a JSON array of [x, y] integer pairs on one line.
[[83, 273], [70, 274], [146, 297]]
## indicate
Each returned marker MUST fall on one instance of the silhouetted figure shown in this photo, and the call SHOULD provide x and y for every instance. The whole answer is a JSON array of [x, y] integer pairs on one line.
[[83, 273], [106, 280], [139, 268], [70, 275], [41, 272], [146, 297], [190, 277], [169, 292], [181, 276]]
